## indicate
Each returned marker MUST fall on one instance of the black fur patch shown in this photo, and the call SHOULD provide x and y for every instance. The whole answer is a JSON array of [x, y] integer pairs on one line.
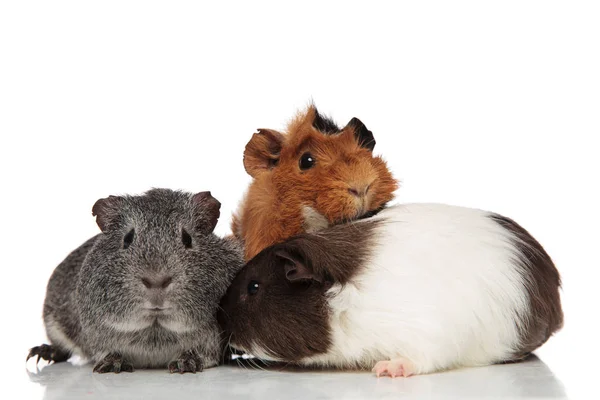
[[363, 136], [542, 284], [325, 124], [287, 316]]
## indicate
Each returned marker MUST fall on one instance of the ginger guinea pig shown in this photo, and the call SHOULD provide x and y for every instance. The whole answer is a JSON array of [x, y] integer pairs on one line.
[[416, 289], [313, 176]]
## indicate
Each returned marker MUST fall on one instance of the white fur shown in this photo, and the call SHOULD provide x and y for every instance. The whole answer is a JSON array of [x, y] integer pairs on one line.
[[57, 336], [444, 288], [313, 220]]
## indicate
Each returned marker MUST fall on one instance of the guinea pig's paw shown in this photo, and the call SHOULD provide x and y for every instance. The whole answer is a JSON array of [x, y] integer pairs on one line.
[[113, 362], [188, 361], [395, 367], [49, 353]]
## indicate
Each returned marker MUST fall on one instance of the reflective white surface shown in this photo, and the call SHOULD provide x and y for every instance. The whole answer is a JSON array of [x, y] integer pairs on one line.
[[492, 105], [529, 379]]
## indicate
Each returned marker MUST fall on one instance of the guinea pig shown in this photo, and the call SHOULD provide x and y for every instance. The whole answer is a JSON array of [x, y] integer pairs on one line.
[[143, 293], [416, 289], [314, 176]]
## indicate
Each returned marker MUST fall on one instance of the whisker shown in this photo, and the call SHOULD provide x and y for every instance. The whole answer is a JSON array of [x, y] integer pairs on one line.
[[285, 366], [241, 363], [256, 363], [227, 347], [252, 364]]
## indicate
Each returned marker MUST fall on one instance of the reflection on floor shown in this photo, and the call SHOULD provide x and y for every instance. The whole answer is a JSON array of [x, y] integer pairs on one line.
[[529, 379]]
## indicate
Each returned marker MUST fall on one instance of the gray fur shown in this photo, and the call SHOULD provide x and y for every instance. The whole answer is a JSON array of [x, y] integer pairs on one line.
[[96, 300]]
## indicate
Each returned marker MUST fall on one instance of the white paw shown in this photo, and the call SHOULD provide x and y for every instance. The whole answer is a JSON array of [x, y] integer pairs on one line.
[[394, 368]]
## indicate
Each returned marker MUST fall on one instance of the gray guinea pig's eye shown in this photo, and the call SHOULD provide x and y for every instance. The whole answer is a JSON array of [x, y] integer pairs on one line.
[[128, 239], [186, 239], [253, 287]]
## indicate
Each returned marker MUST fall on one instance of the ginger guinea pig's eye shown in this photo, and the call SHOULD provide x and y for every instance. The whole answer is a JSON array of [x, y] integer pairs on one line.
[[253, 287], [128, 239], [307, 161]]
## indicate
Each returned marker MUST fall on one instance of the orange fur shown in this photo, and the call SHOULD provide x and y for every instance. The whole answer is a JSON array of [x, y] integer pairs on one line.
[[273, 207]]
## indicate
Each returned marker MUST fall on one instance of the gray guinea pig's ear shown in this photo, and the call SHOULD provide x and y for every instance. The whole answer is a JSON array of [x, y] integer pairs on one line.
[[208, 210], [105, 210], [295, 267]]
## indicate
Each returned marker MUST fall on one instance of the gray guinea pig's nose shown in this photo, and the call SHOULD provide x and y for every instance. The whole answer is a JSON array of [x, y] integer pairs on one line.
[[157, 282]]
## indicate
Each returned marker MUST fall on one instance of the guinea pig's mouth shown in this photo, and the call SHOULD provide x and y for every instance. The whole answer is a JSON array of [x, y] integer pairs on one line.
[[254, 351], [362, 205], [157, 310], [234, 346]]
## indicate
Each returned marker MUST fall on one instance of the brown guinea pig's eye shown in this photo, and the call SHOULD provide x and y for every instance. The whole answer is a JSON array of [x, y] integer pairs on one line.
[[307, 161], [253, 287]]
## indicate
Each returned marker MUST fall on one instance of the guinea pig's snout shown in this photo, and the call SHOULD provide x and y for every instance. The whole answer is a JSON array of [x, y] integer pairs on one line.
[[360, 189], [157, 282], [156, 287]]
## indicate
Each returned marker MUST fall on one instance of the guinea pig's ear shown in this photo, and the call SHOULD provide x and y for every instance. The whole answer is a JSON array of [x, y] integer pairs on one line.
[[262, 151], [362, 135], [322, 123], [208, 211], [106, 210], [296, 268]]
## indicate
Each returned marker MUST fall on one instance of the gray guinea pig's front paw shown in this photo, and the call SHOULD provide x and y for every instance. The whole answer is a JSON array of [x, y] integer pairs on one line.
[[188, 361], [49, 353], [113, 362]]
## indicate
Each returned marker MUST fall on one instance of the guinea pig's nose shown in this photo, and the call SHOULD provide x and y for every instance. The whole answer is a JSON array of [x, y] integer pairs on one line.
[[157, 282], [359, 190]]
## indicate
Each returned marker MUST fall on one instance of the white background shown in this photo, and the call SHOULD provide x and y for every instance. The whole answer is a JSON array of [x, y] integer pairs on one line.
[[489, 105]]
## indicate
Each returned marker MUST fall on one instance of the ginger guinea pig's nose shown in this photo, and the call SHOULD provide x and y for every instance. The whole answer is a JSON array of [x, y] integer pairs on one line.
[[359, 189]]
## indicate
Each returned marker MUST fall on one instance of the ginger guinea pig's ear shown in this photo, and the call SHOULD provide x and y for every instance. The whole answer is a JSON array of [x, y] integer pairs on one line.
[[207, 211], [321, 123], [362, 135], [106, 211], [262, 151]]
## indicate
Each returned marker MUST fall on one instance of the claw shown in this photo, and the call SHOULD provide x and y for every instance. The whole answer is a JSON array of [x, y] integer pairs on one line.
[[127, 368], [49, 353], [189, 361], [113, 363]]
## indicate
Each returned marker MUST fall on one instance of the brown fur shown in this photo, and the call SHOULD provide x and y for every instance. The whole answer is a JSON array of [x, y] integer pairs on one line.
[[542, 284], [273, 208], [293, 275]]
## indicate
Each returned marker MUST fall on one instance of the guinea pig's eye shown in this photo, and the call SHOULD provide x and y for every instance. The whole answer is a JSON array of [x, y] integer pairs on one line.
[[307, 161], [128, 239], [186, 239], [253, 287]]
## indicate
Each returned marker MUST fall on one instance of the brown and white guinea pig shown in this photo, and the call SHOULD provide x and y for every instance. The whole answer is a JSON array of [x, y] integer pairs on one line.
[[415, 289], [316, 170]]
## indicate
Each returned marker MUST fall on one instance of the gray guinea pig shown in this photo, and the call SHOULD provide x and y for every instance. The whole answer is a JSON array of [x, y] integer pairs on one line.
[[143, 293]]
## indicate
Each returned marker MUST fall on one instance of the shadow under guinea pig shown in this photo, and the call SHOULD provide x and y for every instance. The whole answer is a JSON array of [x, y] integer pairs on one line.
[[249, 380], [530, 378]]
